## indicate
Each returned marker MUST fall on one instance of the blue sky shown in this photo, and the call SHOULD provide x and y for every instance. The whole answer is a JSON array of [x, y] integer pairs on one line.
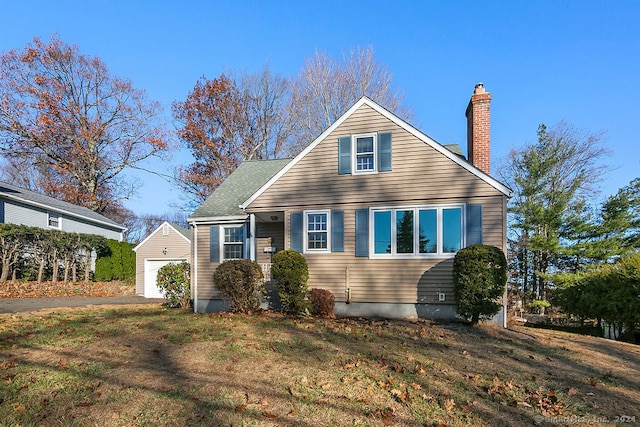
[[543, 61]]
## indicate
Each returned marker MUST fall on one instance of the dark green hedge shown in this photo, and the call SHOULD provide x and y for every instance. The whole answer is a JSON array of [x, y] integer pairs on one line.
[[118, 263]]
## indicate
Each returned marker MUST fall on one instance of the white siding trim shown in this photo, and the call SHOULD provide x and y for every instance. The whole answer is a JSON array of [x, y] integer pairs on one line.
[[160, 228], [194, 276]]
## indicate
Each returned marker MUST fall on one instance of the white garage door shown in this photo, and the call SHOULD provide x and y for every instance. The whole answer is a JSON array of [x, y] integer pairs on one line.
[[151, 268]]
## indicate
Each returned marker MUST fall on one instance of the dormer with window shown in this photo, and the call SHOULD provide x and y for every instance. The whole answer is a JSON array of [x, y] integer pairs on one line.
[[364, 153]]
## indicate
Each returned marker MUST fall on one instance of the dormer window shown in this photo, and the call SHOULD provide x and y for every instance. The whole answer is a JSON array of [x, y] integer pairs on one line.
[[364, 153]]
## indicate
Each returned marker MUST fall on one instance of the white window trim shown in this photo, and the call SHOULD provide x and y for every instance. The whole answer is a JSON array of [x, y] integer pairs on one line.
[[305, 215], [354, 154], [222, 242], [59, 227], [416, 254]]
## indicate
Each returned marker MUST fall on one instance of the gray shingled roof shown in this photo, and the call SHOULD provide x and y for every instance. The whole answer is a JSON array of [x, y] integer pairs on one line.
[[454, 148], [238, 187], [36, 199], [186, 233]]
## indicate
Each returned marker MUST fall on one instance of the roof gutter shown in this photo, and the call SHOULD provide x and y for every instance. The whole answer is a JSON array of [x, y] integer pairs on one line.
[[216, 219]]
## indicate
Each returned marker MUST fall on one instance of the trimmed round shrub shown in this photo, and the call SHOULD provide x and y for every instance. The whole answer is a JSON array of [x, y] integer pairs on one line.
[[174, 281], [289, 270], [480, 277], [241, 284], [322, 302]]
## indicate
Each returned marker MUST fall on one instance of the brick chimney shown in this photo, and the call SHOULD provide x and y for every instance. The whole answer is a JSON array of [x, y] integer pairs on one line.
[[478, 129]]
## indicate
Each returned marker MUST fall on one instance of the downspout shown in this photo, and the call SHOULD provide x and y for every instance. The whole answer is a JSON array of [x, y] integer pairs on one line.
[[252, 237], [194, 278]]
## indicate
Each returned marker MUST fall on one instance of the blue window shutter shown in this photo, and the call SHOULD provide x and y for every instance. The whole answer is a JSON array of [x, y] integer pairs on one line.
[[337, 231], [295, 231], [362, 232], [214, 243], [384, 152], [344, 155], [474, 225]]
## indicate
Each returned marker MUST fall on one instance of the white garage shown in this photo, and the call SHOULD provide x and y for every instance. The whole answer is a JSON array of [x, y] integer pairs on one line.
[[168, 243], [151, 267]]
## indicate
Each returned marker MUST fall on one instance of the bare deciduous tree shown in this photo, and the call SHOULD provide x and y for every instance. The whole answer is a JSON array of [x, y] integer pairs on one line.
[[80, 126], [326, 88], [225, 121]]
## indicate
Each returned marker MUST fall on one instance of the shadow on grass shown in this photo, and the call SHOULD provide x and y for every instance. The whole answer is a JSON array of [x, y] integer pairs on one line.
[[220, 369]]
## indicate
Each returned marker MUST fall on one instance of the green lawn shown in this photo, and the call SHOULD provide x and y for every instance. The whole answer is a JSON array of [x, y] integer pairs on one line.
[[148, 365]]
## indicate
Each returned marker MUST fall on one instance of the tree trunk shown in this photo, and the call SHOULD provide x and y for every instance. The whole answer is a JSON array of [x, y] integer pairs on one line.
[[40, 270], [54, 265], [5, 269], [87, 265]]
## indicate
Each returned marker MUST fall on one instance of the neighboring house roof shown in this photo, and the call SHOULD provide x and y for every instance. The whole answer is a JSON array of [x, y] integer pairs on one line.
[[240, 185], [186, 234], [447, 151], [32, 198]]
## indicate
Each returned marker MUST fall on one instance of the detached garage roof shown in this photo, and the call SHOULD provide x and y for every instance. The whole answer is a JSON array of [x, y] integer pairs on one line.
[[186, 234]]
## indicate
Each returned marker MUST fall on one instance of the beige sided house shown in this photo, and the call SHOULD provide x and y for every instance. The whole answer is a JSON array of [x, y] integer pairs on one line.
[[169, 243], [377, 208]]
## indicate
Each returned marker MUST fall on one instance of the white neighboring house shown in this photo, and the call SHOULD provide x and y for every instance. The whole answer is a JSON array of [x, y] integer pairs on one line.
[[169, 243], [25, 207]]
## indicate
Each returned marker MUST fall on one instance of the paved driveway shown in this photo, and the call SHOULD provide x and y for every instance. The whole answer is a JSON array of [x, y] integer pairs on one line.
[[17, 305]]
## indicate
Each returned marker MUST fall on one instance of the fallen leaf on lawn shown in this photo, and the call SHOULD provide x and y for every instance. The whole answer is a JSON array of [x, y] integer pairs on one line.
[[293, 413], [241, 408], [472, 377], [524, 404], [269, 415], [8, 364], [466, 408], [449, 405], [416, 386], [385, 414], [84, 404], [573, 391]]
